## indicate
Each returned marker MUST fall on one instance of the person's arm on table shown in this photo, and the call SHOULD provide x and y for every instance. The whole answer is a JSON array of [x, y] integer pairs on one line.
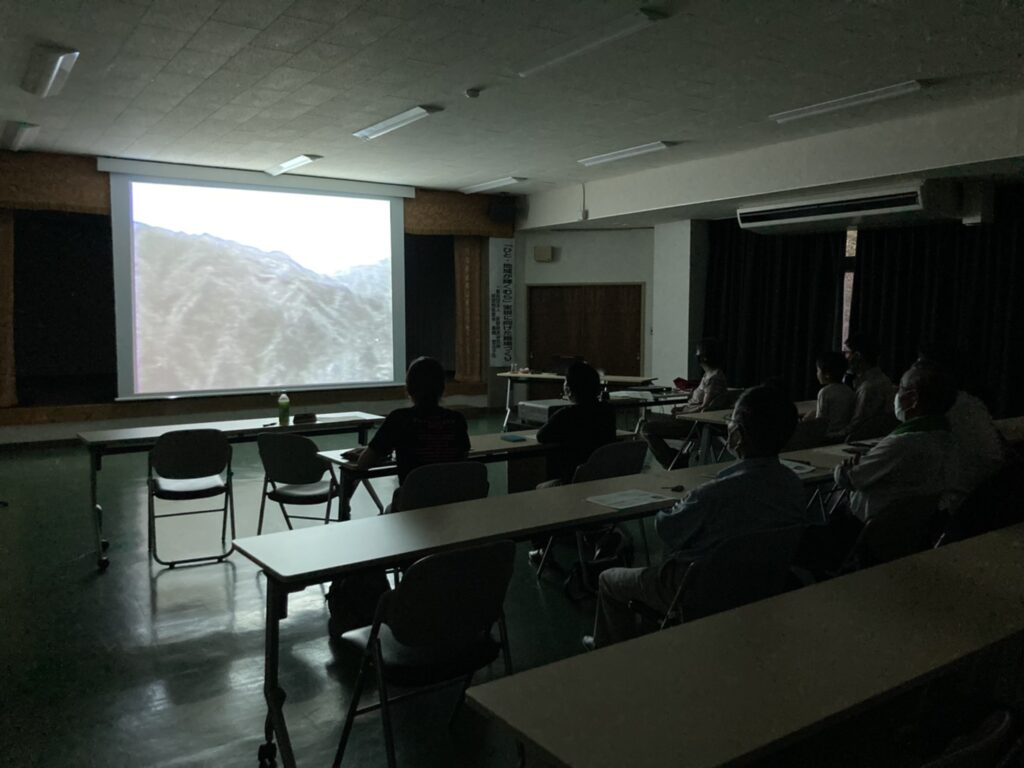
[[862, 471]]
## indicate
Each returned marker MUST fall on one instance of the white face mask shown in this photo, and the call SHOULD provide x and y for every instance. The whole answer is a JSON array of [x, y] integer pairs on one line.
[[897, 407]]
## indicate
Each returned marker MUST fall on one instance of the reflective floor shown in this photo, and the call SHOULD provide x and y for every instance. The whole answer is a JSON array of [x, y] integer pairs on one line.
[[145, 666]]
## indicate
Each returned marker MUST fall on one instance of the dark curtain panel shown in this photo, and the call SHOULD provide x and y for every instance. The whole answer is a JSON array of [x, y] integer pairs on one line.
[[960, 286], [430, 298], [771, 300]]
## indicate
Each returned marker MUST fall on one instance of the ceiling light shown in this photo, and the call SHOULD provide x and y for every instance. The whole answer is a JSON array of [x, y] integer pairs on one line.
[[18, 135], [291, 165], [622, 154], [867, 97], [483, 186], [641, 19], [48, 70], [400, 120]]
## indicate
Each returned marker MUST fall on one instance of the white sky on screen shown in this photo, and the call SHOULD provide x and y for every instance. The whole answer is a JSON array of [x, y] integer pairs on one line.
[[323, 233]]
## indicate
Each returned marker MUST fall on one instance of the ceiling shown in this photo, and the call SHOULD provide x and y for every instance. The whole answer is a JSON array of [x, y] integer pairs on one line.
[[250, 83]]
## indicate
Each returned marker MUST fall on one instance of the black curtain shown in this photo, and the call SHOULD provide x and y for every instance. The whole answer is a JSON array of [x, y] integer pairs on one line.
[[771, 300], [962, 287], [430, 298]]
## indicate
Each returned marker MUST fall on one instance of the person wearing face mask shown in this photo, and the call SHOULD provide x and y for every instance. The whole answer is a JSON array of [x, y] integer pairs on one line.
[[915, 459], [872, 407], [660, 427], [756, 493]]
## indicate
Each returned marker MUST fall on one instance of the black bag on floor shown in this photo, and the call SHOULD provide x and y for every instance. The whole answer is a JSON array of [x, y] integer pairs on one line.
[[352, 600]]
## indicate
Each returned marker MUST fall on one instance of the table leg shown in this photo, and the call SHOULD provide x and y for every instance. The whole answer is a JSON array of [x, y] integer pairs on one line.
[[102, 561], [508, 407], [277, 609], [345, 491]]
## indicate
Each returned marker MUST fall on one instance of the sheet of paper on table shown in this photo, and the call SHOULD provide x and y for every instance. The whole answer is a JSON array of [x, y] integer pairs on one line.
[[631, 499], [801, 468]]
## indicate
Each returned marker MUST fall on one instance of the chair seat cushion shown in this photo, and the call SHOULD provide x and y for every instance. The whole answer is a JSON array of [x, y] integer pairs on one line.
[[307, 493], [192, 488], [417, 666]]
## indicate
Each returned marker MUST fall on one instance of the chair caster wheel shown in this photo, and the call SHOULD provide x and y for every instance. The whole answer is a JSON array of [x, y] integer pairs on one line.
[[267, 755], [102, 564], [104, 545]]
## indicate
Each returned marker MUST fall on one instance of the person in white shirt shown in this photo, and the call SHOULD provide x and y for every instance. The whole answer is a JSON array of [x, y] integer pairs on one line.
[[873, 403], [918, 458], [659, 427], [981, 451], [835, 399]]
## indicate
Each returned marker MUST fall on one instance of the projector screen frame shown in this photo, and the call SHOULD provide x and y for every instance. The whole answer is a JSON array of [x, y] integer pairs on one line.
[[123, 173]]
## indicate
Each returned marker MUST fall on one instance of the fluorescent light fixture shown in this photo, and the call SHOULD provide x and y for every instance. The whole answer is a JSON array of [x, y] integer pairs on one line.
[[400, 120], [48, 70], [18, 135], [291, 165], [633, 23], [846, 102], [622, 154], [484, 186]]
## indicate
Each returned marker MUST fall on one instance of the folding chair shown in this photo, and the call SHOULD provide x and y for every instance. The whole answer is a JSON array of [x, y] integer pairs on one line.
[[185, 465], [903, 528], [294, 474], [624, 457], [445, 483], [433, 629], [741, 570]]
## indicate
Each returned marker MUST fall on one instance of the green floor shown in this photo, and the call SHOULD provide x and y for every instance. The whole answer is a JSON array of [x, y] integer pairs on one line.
[[144, 666]]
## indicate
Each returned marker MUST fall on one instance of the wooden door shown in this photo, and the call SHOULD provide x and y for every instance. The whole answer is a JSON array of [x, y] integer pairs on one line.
[[601, 323]]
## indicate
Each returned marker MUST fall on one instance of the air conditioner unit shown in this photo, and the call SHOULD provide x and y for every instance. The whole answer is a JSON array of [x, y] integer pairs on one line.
[[900, 203]]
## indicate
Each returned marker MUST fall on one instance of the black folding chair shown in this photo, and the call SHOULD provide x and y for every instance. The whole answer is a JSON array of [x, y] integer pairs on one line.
[[433, 629], [294, 474], [903, 528], [444, 483], [186, 465]]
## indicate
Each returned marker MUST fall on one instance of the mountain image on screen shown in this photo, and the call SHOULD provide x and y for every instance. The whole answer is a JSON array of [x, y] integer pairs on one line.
[[213, 314]]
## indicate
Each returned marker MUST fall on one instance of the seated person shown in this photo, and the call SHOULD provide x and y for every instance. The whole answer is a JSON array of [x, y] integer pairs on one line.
[[980, 448], [659, 427], [835, 399], [426, 433], [916, 459], [581, 428], [757, 493], [872, 408]]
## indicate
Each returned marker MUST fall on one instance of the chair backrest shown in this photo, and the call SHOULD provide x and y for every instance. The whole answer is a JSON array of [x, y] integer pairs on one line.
[[996, 503], [189, 453], [451, 598], [725, 400], [808, 434], [290, 459], [987, 745], [625, 457], [904, 527], [742, 570], [444, 483]]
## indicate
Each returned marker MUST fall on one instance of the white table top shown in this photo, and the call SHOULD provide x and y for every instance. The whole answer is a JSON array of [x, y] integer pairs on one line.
[[311, 554], [325, 423], [629, 381], [719, 416], [732, 685]]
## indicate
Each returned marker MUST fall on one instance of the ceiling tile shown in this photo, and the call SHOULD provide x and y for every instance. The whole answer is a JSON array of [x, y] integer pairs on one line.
[[289, 33], [251, 13], [185, 15], [218, 37]]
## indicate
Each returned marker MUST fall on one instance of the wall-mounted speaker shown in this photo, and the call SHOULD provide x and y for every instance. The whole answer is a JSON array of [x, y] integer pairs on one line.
[[543, 253]]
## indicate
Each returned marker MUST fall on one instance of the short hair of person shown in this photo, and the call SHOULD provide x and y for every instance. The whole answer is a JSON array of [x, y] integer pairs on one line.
[[711, 351], [935, 389], [832, 363], [767, 417], [583, 381], [424, 381], [866, 345]]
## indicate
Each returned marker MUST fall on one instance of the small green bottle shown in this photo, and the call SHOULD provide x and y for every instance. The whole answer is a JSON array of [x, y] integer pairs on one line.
[[283, 406]]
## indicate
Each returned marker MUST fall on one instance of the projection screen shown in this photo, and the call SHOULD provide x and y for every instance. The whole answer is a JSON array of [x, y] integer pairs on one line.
[[244, 285]]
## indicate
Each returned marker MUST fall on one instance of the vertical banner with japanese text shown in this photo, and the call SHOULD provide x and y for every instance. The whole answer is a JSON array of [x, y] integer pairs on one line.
[[501, 297]]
